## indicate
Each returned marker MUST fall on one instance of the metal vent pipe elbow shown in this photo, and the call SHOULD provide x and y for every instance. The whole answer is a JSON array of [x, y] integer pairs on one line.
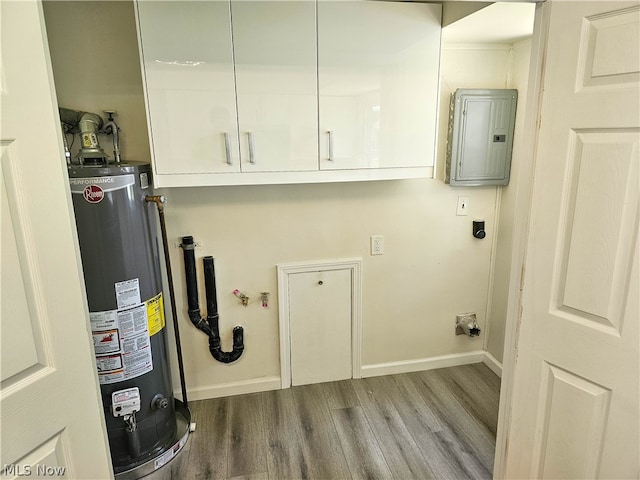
[[86, 121], [88, 125]]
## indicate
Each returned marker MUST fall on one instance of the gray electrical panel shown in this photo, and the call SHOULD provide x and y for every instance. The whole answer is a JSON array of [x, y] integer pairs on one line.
[[480, 137]]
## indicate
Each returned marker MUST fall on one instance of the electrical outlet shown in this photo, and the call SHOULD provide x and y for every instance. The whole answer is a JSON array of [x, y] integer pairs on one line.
[[377, 245], [463, 206]]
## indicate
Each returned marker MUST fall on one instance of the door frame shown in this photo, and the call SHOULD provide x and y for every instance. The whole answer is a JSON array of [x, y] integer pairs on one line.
[[284, 270], [522, 217]]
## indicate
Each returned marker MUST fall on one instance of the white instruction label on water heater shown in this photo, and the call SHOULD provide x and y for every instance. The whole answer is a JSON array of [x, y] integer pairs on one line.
[[121, 343], [128, 293]]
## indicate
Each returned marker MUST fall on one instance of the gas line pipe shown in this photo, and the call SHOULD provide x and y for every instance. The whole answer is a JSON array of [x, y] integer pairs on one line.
[[160, 202]]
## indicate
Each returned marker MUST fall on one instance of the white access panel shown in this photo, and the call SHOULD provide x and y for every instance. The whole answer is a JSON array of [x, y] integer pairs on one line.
[[320, 326], [480, 137]]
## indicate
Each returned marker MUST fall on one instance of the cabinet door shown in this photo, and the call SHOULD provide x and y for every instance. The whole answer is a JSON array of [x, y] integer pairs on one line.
[[188, 67], [378, 66], [276, 81]]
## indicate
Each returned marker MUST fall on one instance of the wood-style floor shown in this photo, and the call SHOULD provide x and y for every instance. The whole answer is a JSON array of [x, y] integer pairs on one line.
[[435, 424]]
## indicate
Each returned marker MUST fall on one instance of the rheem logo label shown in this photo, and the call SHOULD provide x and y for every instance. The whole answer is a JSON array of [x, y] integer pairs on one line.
[[93, 193]]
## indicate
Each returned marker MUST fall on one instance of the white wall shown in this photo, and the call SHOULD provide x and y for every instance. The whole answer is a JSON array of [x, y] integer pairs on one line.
[[519, 72], [96, 66], [432, 268], [468, 66]]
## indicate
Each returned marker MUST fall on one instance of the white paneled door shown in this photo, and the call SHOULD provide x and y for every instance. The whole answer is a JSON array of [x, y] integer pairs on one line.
[[575, 407], [50, 408]]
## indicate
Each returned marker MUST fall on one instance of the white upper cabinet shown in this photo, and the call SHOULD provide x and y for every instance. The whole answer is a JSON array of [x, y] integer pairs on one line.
[[186, 50], [245, 92], [276, 84], [378, 83]]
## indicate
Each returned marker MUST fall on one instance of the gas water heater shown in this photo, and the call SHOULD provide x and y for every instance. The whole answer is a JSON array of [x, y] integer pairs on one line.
[[120, 253]]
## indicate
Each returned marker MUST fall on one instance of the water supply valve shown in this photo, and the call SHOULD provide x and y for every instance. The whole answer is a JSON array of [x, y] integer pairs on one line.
[[264, 299], [112, 128], [243, 298]]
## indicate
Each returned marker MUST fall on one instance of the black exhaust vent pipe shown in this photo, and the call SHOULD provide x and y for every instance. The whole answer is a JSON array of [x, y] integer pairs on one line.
[[238, 346], [211, 294], [188, 249], [210, 325], [212, 318]]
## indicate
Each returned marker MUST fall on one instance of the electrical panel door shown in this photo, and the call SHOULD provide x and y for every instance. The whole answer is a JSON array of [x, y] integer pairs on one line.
[[480, 137]]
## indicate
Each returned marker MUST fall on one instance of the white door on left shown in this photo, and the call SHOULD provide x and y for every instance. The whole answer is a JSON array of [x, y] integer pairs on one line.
[[50, 407]]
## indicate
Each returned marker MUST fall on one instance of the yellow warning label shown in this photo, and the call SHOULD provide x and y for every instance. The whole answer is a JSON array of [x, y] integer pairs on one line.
[[89, 140], [155, 314]]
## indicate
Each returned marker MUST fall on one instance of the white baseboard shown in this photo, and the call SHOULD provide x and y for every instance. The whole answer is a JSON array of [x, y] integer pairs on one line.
[[234, 388], [491, 362], [430, 363], [274, 383]]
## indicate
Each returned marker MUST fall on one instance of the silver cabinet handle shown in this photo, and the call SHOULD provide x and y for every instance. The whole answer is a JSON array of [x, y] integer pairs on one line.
[[330, 135], [227, 148], [252, 158]]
